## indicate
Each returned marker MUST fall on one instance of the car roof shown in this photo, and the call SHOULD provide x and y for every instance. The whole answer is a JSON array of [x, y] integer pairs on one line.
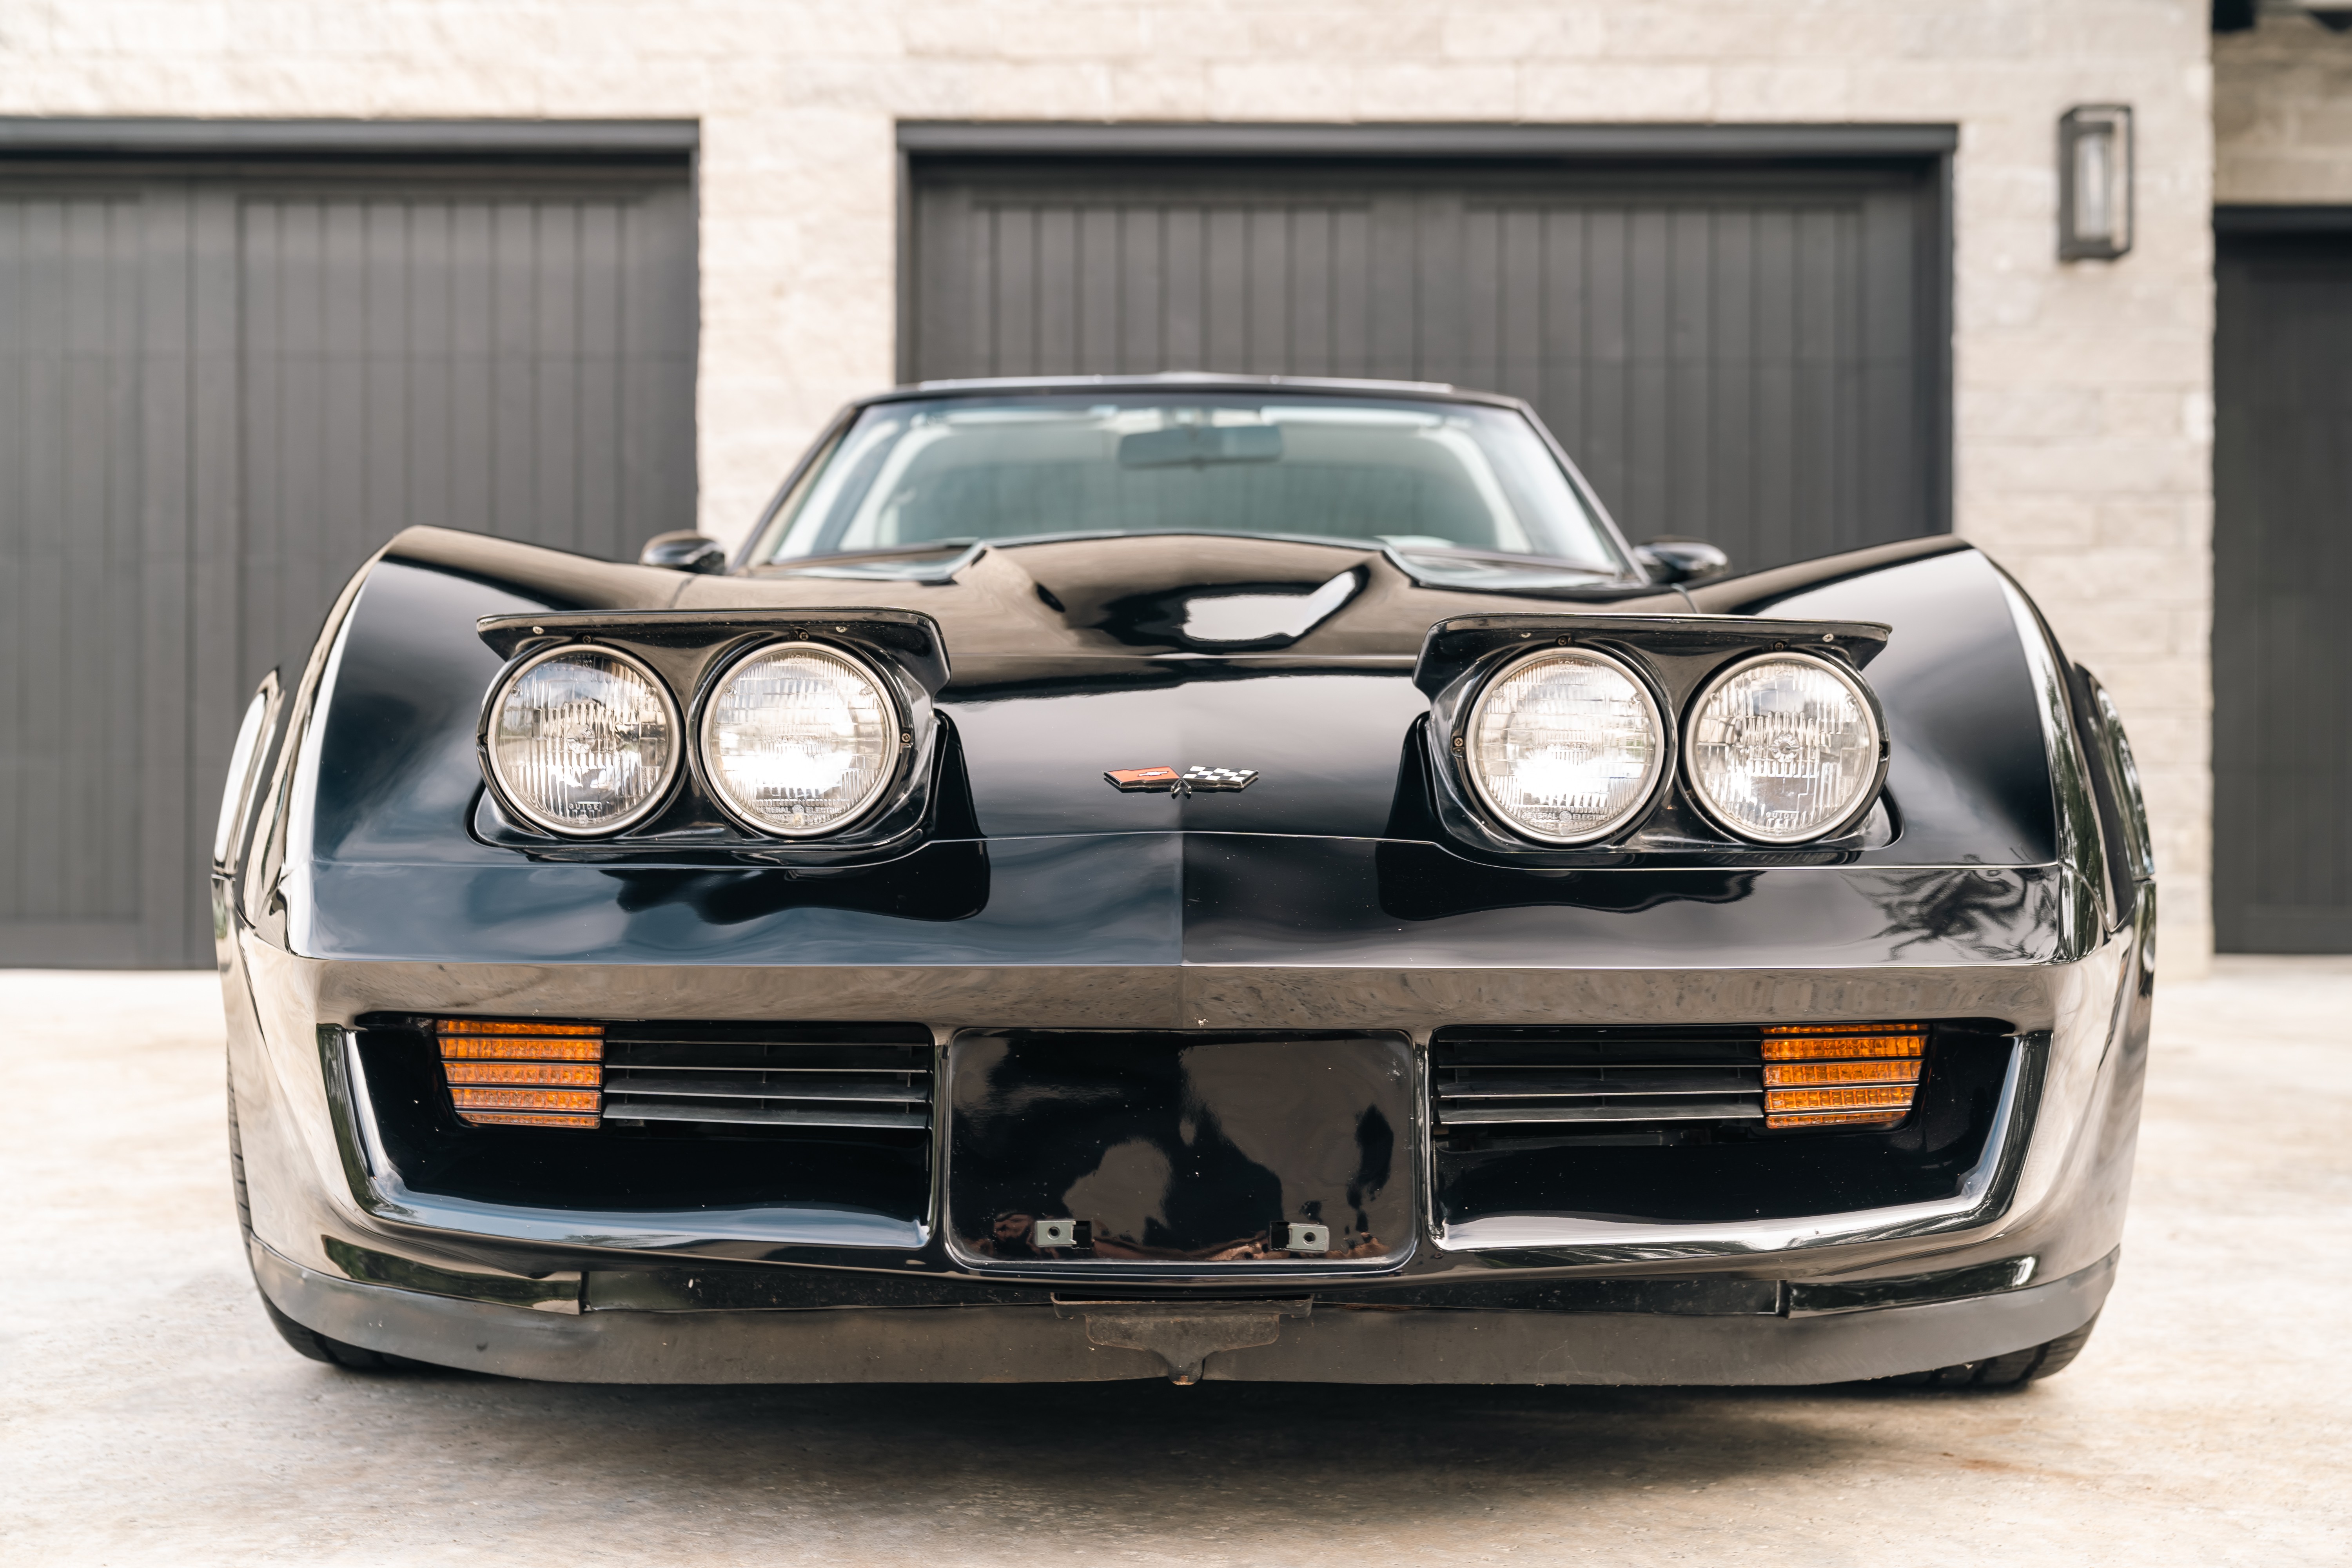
[[1191, 380]]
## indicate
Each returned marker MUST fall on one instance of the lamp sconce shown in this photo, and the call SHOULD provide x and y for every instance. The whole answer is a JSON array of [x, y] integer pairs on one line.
[[2095, 182]]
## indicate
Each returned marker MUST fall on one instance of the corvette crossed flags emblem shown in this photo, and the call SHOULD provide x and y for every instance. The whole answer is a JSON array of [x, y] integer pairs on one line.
[[1135, 781]]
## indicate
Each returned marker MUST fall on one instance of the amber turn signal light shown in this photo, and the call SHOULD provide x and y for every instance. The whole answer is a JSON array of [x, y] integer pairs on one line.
[[1847, 1119], [1895, 1099], [1842, 1075], [525, 1098], [1813, 1042], [527, 1119], [523, 1074], [560, 1048], [566, 1075], [1779, 1075]]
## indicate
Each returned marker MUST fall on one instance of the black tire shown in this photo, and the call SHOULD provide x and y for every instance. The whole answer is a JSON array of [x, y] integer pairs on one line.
[[334, 1352], [2014, 1370]]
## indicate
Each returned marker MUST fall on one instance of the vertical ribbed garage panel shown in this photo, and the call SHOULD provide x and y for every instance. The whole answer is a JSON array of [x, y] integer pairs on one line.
[[491, 359], [2282, 570], [75, 568], [1747, 357], [220, 389]]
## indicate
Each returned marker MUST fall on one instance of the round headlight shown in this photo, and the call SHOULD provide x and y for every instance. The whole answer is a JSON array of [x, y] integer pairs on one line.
[[1565, 746], [798, 740], [583, 741], [1782, 749]]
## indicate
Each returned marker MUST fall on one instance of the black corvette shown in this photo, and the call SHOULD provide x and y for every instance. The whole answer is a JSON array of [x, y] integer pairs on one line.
[[1193, 876]]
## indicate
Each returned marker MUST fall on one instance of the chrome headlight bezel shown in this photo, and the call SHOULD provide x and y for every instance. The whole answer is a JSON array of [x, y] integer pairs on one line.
[[1662, 757], [511, 802], [896, 732], [1866, 702]]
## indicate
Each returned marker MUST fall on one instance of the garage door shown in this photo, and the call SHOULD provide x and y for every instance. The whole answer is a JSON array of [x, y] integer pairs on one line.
[[2282, 576], [1750, 350], [220, 388]]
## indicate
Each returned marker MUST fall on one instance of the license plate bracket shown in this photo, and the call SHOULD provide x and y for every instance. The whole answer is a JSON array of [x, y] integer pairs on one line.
[[1187, 1151]]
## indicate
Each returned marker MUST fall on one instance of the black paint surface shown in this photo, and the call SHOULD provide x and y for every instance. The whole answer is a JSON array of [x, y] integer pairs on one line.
[[1177, 1149]]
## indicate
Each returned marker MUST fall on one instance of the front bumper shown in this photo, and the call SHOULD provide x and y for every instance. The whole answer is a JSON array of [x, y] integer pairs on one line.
[[1459, 1309], [1271, 1341]]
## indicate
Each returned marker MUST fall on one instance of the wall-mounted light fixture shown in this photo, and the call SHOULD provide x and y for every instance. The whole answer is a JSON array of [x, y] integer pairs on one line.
[[2095, 182]]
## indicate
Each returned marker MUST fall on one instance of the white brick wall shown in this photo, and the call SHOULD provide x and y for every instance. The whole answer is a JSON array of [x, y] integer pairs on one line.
[[2282, 113], [2083, 391]]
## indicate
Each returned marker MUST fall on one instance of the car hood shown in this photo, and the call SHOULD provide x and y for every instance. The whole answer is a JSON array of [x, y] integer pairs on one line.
[[1073, 658]]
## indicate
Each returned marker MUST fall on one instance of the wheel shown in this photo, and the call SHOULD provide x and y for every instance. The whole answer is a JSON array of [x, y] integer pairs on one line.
[[2012, 1370], [334, 1352]]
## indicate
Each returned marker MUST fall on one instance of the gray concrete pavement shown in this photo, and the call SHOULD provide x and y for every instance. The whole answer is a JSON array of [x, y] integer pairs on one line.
[[148, 1413]]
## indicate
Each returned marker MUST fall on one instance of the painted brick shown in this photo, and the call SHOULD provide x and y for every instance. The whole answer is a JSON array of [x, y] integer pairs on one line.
[[1455, 92], [1373, 34], [2282, 113], [1783, 92], [1301, 90], [1480, 33], [1614, 92]]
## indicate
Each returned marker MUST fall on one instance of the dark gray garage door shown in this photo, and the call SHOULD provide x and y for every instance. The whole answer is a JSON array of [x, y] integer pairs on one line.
[[2281, 579], [1749, 351], [220, 388]]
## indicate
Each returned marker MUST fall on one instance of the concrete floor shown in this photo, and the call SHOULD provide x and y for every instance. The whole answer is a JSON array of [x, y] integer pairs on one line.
[[148, 1413]]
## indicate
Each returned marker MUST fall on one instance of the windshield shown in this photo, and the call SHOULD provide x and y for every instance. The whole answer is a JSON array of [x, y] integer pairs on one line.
[[1421, 477]]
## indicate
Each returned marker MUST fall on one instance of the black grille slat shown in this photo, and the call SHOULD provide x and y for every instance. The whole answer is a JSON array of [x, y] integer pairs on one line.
[[1546, 1115], [1501, 1084], [761, 1113], [1615, 1049], [1583, 1081], [815, 1056], [721, 1083], [774, 1078]]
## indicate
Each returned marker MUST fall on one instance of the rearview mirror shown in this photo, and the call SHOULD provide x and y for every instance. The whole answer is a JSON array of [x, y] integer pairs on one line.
[[684, 552], [1677, 560], [1199, 445]]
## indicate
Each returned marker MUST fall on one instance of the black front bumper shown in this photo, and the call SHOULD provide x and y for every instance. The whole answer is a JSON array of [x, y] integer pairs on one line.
[[344, 1247], [1274, 1341]]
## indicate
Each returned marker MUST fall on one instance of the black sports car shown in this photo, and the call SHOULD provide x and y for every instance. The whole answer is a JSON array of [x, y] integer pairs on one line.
[[1193, 876]]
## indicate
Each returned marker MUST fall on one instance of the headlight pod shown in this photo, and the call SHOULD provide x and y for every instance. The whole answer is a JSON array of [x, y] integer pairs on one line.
[[581, 741], [798, 740], [1783, 748], [1565, 746]]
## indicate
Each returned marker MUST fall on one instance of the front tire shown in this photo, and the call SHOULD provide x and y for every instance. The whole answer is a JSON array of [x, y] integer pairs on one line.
[[334, 1352], [2012, 1370]]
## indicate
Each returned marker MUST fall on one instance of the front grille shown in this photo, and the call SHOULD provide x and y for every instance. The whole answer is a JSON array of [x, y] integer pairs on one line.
[[1535, 1082], [605, 1116], [1499, 1086], [753, 1077], [743, 1078]]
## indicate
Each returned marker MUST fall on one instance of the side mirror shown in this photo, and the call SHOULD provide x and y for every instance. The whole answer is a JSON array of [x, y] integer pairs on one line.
[[684, 552], [1672, 560]]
